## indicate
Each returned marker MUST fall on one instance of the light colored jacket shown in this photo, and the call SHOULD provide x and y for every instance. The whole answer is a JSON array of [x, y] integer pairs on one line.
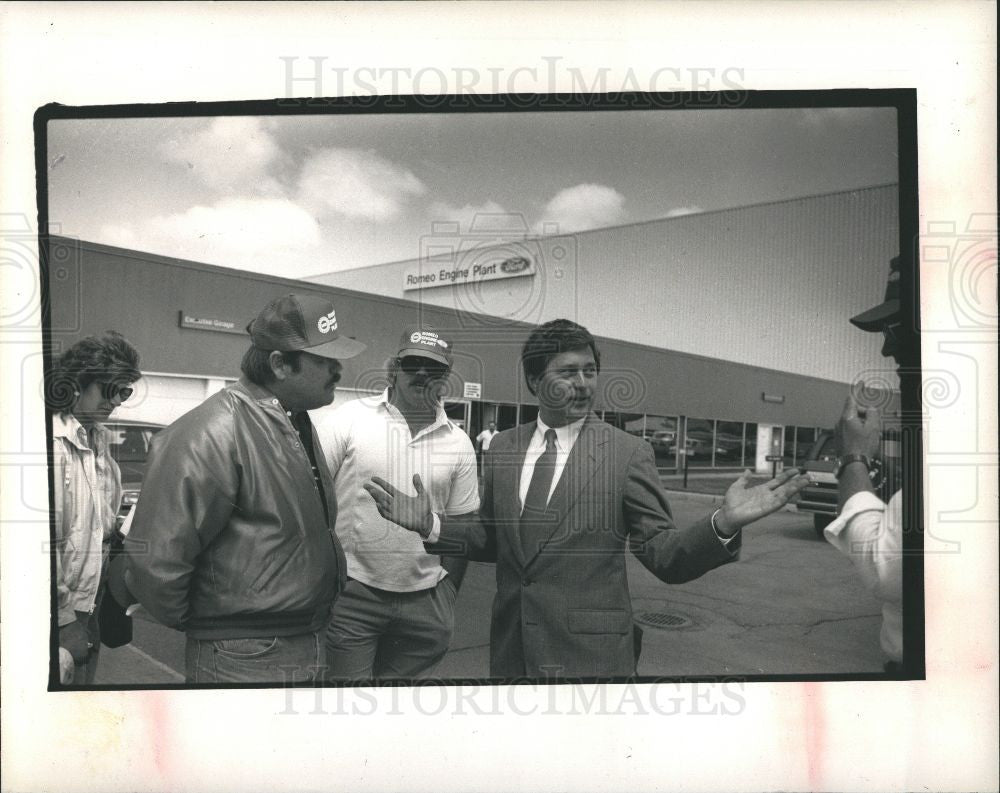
[[88, 490]]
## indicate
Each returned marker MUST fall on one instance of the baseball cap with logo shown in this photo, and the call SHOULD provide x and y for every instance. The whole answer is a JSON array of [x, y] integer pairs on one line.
[[425, 342], [887, 312], [302, 322]]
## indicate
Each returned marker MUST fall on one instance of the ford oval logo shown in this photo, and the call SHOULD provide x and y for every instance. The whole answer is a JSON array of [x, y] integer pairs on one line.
[[515, 264]]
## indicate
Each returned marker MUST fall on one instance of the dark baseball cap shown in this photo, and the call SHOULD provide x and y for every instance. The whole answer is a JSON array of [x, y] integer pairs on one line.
[[887, 312], [302, 322], [425, 342]]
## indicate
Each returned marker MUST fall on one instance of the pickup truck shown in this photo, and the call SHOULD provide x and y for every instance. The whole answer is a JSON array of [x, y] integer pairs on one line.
[[821, 498]]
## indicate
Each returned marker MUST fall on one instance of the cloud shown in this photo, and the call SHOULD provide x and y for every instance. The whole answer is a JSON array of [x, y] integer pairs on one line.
[[676, 212], [356, 184], [233, 154], [585, 206], [258, 234], [488, 217]]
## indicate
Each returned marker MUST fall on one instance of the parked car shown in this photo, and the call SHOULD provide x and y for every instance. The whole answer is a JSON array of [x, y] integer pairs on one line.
[[821, 498], [662, 441], [698, 450], [129, 447]]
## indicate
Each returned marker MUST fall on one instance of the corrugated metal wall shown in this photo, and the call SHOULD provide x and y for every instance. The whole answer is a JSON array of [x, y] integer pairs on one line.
[[770, 285], [94, 287]]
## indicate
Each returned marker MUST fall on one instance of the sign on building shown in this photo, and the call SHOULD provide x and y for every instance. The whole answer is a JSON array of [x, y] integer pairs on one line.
[[473, 391], [209, 323], [429, 274]]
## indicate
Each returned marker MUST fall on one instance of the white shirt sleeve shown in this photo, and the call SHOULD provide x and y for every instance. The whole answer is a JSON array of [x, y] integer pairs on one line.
[[869, 533], [464, 495], [435, 534], [724, 540], [332, 433]]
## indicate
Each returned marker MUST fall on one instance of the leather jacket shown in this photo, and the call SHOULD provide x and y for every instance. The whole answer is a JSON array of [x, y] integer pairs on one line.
[[229, 538]]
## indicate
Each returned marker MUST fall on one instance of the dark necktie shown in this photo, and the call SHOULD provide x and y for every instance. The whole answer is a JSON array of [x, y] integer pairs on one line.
[[532, 518]]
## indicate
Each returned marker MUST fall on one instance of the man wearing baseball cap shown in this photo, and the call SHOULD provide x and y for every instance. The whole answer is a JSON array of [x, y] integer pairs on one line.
[[867, 530], [231, 541], [395, 617]]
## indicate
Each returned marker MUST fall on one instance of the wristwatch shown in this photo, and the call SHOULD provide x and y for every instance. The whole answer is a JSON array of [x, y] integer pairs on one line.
[[847, 459]]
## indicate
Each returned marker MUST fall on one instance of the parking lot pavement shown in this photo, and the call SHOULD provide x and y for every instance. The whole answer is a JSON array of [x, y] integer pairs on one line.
[[155, 656], [791, 605]]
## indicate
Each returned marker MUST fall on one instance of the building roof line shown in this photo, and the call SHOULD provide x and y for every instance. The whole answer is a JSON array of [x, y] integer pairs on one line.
[[250, 275], [531, 238]]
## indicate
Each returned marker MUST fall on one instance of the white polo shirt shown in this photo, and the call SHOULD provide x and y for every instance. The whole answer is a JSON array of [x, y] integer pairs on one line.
[[369, 437]]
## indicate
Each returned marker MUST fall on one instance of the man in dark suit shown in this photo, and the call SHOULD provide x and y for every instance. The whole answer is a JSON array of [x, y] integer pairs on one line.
[[563, 498]]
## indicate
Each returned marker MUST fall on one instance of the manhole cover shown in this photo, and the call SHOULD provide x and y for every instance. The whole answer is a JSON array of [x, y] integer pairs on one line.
[[662, 619]]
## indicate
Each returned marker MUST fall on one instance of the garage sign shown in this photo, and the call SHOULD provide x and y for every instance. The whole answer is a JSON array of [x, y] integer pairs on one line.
[[217, 324]]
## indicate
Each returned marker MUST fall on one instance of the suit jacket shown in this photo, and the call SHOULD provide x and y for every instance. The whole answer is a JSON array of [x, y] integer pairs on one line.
[[562, 606]]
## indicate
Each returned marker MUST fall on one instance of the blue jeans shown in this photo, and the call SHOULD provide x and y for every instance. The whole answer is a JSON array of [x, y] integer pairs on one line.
[[274, 659]]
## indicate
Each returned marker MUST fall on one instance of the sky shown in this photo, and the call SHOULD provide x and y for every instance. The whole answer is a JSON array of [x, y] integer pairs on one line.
[[305, 195]]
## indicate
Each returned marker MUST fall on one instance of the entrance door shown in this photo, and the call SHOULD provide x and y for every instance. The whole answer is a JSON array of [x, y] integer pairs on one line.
[[770, 442], [506, 416], [503, 414], [458, 411]]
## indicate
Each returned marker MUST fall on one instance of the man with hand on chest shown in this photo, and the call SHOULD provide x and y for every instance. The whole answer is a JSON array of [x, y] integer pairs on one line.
[[563, 498], [395, 618]]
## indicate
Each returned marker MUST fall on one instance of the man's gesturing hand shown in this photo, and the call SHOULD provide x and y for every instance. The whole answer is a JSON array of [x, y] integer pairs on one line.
[[410, 512], [858, 431], [744, 504]]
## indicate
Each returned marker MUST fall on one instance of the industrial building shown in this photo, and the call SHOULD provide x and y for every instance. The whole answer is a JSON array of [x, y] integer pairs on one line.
[[724, 335]]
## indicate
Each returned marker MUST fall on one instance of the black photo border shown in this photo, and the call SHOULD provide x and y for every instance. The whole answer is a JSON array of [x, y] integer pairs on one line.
[[903, 100]]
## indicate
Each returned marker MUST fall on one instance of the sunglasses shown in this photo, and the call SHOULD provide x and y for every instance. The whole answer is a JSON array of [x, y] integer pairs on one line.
[[412, 365], [111, 390]]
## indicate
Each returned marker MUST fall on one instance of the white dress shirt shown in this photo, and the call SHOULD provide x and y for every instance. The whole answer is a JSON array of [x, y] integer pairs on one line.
[[565, 438], [870, 534]]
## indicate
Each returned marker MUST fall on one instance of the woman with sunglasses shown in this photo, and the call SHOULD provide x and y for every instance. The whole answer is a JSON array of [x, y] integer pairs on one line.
[[89, 380]]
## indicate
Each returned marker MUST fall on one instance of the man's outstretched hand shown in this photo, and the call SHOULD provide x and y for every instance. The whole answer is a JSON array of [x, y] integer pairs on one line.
[[411, 512], [744, 505]]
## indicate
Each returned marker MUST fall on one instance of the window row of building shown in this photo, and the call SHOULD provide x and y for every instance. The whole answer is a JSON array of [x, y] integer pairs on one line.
[[700, 442], [712, 443]]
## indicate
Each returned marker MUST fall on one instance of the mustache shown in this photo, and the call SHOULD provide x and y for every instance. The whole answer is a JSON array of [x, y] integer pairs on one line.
[[427, 382]]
